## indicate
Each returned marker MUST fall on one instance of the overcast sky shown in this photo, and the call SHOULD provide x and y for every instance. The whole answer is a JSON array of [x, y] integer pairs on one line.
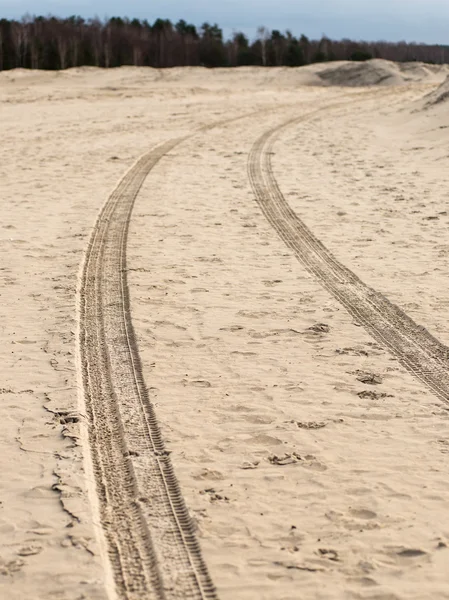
[[412, 20]]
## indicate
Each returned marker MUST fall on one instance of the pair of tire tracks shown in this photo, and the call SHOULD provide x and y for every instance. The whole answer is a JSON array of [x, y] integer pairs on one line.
[[423, 355], [150, 538]]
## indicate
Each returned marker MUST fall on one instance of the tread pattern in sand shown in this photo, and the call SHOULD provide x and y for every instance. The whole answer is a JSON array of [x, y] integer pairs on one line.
[[417, 350], [149, 535]]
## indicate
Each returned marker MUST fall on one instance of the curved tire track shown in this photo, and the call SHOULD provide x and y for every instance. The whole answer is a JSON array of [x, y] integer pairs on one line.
[[152, 547], [150, 538], [417, 350]]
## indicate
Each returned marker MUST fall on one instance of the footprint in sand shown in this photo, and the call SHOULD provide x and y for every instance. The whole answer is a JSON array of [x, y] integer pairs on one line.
[[402, 552], [250, 465], [368, 378], [258, 419], [285, 459], [272, 283], [197, 383], [209, 475], [319, 328], [232, 328], [253, 314], [308, 461], [12, 566], [329, 554], [265, 440], [213, 495], [310, 424], [352, 351], [29, 550], [169, 325], [362, 513], [373, 395], [316, 332], [167, 331], [209, 259]]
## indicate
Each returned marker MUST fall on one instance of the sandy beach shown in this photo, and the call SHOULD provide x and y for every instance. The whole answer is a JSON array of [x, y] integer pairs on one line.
[[224, 368]]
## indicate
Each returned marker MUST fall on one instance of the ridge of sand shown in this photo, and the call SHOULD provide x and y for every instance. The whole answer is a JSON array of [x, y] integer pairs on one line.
[[438, 96], [375, 72]]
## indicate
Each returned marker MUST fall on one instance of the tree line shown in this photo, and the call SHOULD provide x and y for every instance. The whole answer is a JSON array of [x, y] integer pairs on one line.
[[53, 43]]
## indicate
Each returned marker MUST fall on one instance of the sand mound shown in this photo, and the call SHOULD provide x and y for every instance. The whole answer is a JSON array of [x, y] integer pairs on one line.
[[353, 74], [377, 72], [440, 95]]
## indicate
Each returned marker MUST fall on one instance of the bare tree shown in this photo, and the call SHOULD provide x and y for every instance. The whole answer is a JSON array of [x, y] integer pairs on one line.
[[95, 33], [18, 34], [61, 35], [35, 43], [76, 26], [263, 35], [2, 65]]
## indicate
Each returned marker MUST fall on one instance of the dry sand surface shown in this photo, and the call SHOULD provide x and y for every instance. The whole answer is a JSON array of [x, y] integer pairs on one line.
[[224, 316]]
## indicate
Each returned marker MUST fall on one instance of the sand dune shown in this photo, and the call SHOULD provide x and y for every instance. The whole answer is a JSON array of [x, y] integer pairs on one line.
[[378, 72], [225, 325], [440, 95]]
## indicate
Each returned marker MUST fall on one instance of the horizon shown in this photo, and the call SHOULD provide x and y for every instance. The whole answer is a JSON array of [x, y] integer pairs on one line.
[[392, 21]]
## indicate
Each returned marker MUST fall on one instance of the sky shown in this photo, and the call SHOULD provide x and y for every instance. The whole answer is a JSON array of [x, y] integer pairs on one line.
[[392, 20]]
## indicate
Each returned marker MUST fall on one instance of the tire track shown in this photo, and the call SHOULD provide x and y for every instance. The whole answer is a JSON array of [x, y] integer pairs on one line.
[[150, 538], [417, 350]]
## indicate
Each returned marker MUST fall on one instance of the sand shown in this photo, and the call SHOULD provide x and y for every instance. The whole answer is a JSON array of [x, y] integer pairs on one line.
[[310, 453]]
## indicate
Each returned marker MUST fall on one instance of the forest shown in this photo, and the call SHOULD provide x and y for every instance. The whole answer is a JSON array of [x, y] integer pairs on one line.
[[53, 43]]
